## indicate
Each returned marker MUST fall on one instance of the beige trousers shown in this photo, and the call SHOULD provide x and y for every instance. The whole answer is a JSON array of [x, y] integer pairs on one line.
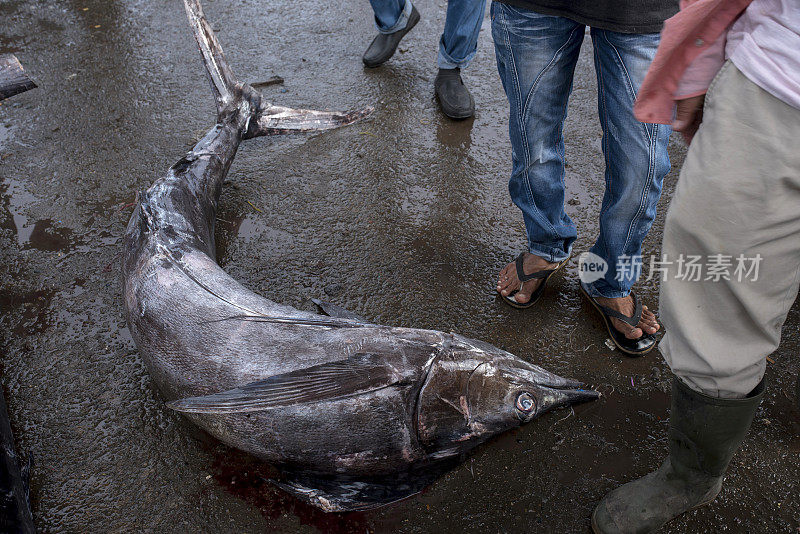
[[737, 199]]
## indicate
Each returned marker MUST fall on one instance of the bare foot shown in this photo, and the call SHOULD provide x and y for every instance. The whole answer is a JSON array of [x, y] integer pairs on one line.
[[647, 323], [508, 282]]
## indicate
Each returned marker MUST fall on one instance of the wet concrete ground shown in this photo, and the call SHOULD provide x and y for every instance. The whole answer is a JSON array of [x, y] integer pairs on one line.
[[404, 218]]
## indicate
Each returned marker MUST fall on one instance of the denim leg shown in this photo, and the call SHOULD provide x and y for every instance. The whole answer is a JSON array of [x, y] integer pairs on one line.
[[459, 40], [536, 57], [391, 15], [635, 155]]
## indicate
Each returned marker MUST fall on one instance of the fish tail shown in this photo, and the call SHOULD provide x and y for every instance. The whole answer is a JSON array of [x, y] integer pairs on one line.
[[260, 117], [227, 91]]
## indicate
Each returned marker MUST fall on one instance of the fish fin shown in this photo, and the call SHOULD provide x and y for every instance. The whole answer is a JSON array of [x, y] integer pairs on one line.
[[348, 494], [360, 373], [337, 311], [275, 120], [222, 80], [13, 79], [269, 119]]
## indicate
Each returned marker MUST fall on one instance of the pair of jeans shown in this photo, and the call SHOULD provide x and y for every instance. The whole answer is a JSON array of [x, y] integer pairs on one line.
[[536, 57], [459, 41]]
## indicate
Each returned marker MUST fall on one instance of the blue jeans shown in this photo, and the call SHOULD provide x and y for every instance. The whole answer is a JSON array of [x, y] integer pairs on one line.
[[459, 40], [536, 57]]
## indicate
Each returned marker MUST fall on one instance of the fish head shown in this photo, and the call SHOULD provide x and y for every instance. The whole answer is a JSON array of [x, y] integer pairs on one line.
[[474, 391]]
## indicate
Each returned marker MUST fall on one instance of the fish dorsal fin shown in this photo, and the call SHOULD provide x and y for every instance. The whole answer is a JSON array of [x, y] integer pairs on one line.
[[360, 373], [337, 311]]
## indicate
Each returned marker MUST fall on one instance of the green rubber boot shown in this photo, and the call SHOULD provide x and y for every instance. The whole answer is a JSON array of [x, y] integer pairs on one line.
[[704, 434]]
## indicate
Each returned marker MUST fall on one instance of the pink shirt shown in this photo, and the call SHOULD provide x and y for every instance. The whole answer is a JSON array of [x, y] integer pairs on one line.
[[762, 43], [700, 25]]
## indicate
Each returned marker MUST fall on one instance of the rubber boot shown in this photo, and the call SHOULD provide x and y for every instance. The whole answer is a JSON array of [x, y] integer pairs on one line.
[[453, 95], [384, 45], [704, 434]]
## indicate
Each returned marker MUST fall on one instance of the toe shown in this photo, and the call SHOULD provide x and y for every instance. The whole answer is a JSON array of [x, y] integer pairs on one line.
[[507, 288], [627, 330], [634, 333], [649, 323], [523, 296], [506, 281], [648, 328]]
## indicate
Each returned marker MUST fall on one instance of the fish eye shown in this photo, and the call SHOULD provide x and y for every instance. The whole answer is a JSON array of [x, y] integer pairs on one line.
[[525, 402]]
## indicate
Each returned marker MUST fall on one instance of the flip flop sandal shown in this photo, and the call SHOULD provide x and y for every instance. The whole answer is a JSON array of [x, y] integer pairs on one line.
[[632, 347], [538, 275]]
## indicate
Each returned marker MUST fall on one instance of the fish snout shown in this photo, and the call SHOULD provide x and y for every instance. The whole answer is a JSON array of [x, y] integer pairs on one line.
[[545, 391], [542, 399]]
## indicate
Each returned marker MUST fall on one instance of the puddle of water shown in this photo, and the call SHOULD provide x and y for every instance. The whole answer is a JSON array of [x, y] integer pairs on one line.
[[245, 229], [34, 305], [42, 234], [16, 198]]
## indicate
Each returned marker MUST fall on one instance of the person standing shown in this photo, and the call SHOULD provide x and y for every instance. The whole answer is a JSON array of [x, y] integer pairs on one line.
[[537, 43], [737, 201], [457, 46]]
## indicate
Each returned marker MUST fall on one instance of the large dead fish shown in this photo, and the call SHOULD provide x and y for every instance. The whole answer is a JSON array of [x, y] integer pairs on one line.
[[355, 414]]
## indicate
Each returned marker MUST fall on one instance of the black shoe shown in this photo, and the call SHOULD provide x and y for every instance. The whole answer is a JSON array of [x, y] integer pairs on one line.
[[385, 44], [704, 434], [453, 95]]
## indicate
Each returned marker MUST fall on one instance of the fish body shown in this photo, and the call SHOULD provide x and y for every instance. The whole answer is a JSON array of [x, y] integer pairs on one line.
[[356, 414]]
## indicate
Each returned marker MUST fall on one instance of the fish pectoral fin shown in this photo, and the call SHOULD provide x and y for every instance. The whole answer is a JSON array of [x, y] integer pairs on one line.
[[361, 373], [337, 311], [274, 120], [341, 493]]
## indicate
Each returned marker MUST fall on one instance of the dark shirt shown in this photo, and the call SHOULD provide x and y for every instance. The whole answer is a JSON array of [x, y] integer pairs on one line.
[[625, 16]]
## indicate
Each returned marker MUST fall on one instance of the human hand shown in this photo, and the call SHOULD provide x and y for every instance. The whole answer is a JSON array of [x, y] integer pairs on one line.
[[688, 116]]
